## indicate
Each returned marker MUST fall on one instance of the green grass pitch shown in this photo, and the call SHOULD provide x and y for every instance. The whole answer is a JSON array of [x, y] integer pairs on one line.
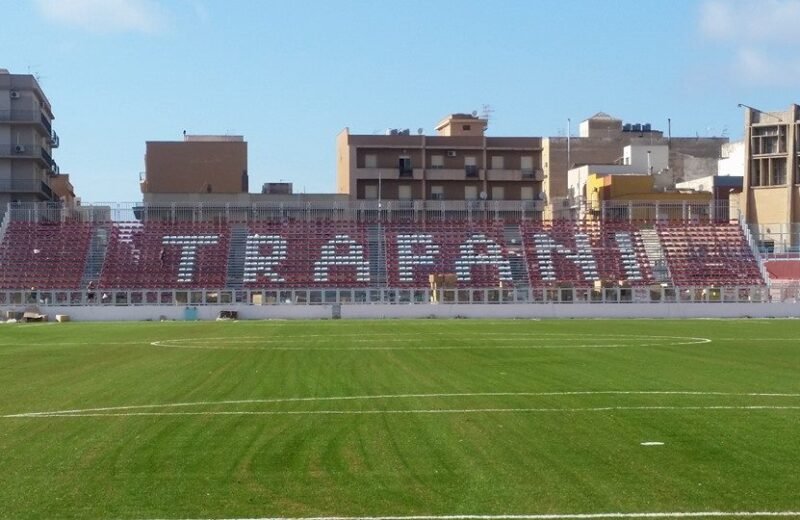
[[420, 417]]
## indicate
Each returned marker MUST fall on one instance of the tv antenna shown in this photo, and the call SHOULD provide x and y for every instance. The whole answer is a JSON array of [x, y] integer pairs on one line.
[[486, 112]]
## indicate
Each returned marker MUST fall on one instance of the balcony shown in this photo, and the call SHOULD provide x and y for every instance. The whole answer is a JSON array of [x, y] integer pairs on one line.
[[50, 163], [387, 174], [535, 174], [516, 175], [471, 171], [26, 186], [46, 123], [28, 117]]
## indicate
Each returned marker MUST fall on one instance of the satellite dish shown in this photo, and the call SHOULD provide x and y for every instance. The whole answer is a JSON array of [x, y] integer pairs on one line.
[[474, 113], [482, 195], [419, 131]]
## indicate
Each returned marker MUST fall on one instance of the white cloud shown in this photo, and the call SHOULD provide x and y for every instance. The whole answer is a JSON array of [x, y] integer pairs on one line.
[[105, 15], [753, 21], [761, 36], [767, 69]]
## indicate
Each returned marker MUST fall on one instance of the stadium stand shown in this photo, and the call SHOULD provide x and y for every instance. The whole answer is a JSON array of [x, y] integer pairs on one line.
[[165, 254], [475, 251], [41, 255], [568, 253], [315, 253], [325, 253], [714, 254]]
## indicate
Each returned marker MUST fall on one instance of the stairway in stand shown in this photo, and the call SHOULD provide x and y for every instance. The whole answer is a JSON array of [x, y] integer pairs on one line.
[[516, 255], [376, 245], [96, 255], [655, 254], [236, 256]]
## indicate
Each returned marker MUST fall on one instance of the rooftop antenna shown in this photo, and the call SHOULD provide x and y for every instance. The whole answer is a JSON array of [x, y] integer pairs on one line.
[[486, 112]]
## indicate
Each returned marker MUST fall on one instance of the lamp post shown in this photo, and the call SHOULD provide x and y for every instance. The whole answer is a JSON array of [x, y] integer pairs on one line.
[[742, 105]]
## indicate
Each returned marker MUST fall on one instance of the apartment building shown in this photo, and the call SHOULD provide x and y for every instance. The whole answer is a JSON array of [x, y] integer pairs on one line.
[[27, 140], [199, 164], [771, 198], [459, 163]]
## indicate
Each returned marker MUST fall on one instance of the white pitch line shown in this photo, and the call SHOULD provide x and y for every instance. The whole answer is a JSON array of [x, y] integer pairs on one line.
[[407, 396], [233, 343], [406, 412], [552, 516]]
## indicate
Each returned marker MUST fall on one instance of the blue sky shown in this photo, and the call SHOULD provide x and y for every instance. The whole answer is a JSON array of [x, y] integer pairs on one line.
[[289, 75]]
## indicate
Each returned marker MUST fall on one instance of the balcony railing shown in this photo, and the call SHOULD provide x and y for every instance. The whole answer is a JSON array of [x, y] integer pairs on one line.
[[471, 171], [26, 186], [27, 116], [51, 164], [46, 123]]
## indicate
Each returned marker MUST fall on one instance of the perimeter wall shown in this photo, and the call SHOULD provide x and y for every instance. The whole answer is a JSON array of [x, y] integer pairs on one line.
[[379, 311]]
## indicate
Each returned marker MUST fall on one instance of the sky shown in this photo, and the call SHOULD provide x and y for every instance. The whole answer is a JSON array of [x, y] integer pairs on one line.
[[290, 75]]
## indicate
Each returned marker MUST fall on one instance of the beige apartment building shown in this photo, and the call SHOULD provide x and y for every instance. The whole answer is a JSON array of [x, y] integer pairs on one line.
[[461, 162], [27, 140], [771, 198]]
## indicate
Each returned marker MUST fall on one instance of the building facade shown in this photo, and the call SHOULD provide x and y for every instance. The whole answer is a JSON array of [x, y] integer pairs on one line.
[[459, 163], [27, 140], [771, 199], [462, 163], [200, 164]]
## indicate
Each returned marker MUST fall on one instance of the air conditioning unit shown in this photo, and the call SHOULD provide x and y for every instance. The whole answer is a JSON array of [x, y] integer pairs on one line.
[[451, 153], [14, 94], [19, 148]]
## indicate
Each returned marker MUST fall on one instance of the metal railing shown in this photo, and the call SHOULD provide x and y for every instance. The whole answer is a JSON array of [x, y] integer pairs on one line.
[[384, 210], [359, 210], [654, 295]]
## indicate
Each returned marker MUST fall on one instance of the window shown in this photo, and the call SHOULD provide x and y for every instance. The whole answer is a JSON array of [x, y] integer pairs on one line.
[[370, 191], [778, 171], [498, 193], [498, 162], [404, 192], [526, 162], [466, 127], [370, 161], [471, 166], [437, 192], [755, 173], [404, 166], [526, 193], [437, 161], [470, 193]]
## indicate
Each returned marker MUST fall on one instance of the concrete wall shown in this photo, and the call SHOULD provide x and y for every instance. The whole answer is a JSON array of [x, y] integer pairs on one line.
[[378, 311]]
